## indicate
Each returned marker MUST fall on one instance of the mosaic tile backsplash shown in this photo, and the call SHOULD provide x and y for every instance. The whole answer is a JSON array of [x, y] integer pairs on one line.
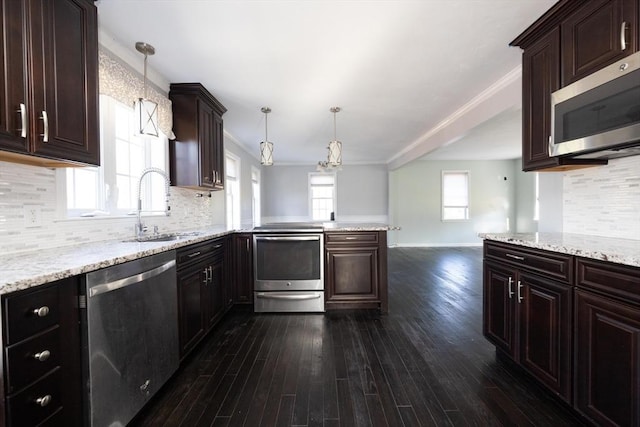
[[604, 200], [28, 194]]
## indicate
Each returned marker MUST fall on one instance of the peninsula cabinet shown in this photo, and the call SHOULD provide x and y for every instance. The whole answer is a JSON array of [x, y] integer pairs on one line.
[[243, 268], [527, 306], [49, 89], [572, 40], [196, 156], [356, 270], [607, 343], [41, 356], [201, 291]]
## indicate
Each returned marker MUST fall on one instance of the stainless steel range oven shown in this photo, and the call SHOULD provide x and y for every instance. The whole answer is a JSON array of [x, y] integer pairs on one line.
[[288, 268]]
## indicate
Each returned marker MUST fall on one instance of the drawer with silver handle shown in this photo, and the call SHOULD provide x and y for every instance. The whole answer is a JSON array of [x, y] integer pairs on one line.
[[30, 313], [32, 358], [37, 402]]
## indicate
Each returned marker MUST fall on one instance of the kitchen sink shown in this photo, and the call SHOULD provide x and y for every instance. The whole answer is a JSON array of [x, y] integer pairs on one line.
[[168, 237]]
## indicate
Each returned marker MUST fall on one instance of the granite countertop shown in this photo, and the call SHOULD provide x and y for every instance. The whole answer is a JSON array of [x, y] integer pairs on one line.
[[620, 251], [28, 269]]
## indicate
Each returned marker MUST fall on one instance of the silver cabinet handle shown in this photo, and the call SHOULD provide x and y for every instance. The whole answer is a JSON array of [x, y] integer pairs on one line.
[[519, 258], [350, 238], [206, 276], [44, 400], [194, 254], [520, 297], [42, 311], [510, 291], [23, 120], [42, 355], [45, 123], [211, 274], [247, 244], [217, 246], [623, 39]]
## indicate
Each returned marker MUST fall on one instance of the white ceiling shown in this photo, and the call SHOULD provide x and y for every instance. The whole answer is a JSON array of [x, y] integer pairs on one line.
[[397, 68]]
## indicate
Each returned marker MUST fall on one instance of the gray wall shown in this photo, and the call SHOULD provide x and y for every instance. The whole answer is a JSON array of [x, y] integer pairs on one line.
[[415, 202], [525, 199], [551, 194], [362, 193], [246, 196]]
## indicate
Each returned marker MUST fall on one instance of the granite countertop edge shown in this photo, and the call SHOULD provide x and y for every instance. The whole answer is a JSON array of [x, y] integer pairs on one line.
[[619, 251], [25, 270]]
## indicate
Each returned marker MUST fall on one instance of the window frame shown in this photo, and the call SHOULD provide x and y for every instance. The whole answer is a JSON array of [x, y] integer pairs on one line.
[[310, 194], [256, 196], [444, 207], [235, 220]]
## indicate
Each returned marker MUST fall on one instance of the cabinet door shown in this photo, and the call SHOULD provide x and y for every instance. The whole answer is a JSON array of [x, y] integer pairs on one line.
[[540, 77], [190, 306], [205, 138], [64, 77], [243, 257], [607, 370], [352, 274], [13, 93], [218, 151], [499, 307], [591, 37], [215, 293], [545, 331]]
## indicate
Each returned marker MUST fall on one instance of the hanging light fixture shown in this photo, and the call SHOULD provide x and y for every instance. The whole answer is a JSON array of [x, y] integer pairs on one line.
[[146, 109], [266, 147], [334, 156]]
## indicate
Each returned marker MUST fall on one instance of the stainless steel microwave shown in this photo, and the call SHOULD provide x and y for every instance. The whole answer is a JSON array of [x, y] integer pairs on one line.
[[599, 115]]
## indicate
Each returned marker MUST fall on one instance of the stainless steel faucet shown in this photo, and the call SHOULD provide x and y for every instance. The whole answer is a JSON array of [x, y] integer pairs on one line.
[[140, 227]]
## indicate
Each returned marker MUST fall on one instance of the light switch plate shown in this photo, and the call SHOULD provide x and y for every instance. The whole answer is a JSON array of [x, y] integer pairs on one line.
[[32, 215]]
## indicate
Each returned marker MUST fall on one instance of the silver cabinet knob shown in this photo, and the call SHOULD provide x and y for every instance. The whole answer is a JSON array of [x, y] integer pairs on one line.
[[42, 311], [42, 356], [44, 400]]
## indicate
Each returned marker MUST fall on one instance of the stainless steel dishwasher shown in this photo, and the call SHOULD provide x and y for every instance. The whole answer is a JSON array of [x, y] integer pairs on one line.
[[130, 326]]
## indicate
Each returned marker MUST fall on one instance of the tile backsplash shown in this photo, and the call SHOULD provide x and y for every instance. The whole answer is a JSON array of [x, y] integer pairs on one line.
[[30, 217], [604, 200]]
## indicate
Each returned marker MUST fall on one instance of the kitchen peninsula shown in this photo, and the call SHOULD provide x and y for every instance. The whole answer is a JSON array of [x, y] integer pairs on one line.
[[566, 309]]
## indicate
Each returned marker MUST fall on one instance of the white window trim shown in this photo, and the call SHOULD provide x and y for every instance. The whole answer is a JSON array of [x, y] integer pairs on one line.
[[257, 172], [442, 206], [238, 161], [335, 192]]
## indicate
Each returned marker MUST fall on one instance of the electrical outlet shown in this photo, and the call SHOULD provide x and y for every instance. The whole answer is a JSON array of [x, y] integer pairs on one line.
[[32, 215]]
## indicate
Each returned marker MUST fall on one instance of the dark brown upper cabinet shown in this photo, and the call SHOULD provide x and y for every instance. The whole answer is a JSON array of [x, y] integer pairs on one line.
[[570, 41], [49, 85], [596, 35], [197, 154]]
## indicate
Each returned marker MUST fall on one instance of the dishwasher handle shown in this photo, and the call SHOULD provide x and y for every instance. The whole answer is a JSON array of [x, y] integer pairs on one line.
[[121, 283]]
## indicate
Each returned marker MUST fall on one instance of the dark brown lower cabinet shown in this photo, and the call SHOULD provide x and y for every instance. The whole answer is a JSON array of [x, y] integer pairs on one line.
[[607, 343], [202, 294], [356, 270], [40, 377], [243, 268], [528, 318]]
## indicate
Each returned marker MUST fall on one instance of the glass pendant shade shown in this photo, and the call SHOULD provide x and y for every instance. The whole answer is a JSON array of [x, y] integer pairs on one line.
[[266, 153], [147, 117], [335, 153]]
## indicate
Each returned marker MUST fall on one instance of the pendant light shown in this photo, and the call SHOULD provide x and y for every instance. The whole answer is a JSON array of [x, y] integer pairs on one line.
[[266, 147], [334, 156], [146, 109]]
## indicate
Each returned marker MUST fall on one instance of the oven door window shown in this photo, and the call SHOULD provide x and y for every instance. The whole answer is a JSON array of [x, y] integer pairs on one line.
[[288, 258]]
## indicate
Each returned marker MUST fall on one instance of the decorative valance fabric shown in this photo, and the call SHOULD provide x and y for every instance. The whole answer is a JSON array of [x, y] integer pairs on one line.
[[119, 82]]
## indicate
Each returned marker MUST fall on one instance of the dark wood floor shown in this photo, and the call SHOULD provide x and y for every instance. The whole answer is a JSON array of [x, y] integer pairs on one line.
[[425, 363]]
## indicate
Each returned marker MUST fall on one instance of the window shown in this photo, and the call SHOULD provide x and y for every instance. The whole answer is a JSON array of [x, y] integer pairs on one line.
[[536, 206], [232, 189], [111, 189], [455, 195], [322, 196], [255, 195]]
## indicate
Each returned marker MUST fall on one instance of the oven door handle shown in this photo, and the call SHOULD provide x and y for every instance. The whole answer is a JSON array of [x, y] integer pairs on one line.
[[264, 295], [292, 238]]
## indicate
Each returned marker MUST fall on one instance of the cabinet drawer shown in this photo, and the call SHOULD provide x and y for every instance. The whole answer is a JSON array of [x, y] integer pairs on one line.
[[351, 238], [621, 281], [30, 359], [31, 312], [556, 265], [25, 408], [195, 253]]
